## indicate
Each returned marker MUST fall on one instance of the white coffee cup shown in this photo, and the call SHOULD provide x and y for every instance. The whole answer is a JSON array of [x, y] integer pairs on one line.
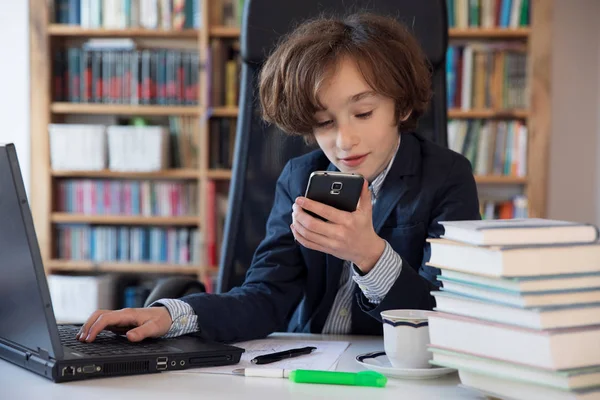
[[406, 337]]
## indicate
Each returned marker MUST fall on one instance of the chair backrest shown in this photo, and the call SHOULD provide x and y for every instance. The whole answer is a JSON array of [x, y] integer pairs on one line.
[[262, 150]]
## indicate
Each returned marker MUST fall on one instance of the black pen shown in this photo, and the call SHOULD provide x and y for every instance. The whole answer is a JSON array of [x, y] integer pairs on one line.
[[282, 355]]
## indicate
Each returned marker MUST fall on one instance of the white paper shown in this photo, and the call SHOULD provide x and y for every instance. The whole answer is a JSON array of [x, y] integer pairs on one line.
[[325, 357]]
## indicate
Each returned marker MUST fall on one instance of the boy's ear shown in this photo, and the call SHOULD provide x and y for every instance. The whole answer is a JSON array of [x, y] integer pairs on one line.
[[405, 117]]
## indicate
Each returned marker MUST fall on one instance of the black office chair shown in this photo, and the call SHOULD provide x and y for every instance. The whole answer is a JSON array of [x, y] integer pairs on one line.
[[262, 150]]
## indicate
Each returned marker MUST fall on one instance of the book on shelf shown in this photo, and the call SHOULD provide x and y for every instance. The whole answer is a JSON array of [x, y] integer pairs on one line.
[[222, 140], [515, 208], [108, 73], [492, 147], [177, 246], [217, 207], [487, 76], [519, 231], [488, 13], [227, 13], [211, 223], [122, 14], [127, 197], [185, 137], [224, 71]]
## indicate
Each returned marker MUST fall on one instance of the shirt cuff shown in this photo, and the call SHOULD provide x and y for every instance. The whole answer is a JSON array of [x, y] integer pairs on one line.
[[183, 316], [376, 284]]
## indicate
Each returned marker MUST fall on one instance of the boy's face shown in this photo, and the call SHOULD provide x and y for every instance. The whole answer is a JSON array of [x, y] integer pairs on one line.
[[357, 130]]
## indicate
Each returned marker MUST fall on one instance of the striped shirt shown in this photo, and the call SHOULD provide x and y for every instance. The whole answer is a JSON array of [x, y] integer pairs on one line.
[[375, 285]]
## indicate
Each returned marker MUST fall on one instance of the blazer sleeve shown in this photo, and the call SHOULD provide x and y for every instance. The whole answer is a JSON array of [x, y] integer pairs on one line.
[[457, 200], [273, 287]]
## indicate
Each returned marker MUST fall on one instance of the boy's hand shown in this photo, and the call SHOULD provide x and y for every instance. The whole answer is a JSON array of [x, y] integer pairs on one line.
[[137, 323], [348, 236]]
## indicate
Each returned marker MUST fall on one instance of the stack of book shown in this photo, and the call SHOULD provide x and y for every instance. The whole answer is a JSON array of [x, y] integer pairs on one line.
[[518, 313]]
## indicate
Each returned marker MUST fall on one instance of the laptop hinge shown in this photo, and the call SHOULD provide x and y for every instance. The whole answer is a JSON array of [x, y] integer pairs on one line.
[[43, 354]]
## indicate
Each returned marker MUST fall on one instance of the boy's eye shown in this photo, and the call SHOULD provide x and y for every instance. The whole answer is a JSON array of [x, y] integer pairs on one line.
[[364, 115], [324, 124]]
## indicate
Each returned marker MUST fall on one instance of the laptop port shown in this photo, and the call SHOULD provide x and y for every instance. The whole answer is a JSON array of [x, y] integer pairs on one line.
[[161, 360], [182, 363], [161, 366], [173, 363], [89, 369], [68, 371]]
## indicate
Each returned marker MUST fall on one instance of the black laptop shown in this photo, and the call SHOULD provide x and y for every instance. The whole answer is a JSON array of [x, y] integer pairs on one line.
[[29, 335]]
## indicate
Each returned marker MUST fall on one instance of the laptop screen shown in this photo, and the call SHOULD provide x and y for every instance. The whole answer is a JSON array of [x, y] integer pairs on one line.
[[26, 316]]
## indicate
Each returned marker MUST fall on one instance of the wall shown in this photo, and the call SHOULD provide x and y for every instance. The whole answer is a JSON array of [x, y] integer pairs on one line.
[[14, 80], [574, 190]]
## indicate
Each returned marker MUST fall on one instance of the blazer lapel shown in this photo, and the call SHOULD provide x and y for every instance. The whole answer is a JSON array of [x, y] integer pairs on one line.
[[395, 185], [406, 163]]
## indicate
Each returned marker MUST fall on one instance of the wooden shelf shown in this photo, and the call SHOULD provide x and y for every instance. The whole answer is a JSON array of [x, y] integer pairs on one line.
[[499, 179], [107, 174], [230, 112], [223, 174], [489, 33], [225, 31], [68, 218], [59, 30], [123, 109], [496, 114], [57, 265], [232, 32]]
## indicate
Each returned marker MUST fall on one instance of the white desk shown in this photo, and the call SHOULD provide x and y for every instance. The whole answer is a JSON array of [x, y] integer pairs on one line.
[[18, 383]]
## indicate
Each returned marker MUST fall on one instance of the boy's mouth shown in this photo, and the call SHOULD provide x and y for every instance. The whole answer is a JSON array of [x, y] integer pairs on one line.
[[353, 161]]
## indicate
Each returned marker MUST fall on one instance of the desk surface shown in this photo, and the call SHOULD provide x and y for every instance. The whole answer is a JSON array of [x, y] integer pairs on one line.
[[18, 383]]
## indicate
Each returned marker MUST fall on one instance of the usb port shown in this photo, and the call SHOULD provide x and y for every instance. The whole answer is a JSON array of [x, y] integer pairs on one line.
[[161, 360], [161, 367]]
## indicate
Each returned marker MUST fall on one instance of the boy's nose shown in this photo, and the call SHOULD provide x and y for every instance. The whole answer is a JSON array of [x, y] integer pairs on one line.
[[346, 138]]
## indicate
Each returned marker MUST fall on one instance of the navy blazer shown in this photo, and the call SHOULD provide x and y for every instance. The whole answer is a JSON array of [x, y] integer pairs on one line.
[[290, 287]]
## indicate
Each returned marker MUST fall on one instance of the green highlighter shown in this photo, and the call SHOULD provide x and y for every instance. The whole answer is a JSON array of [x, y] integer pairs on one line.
[[362, 378]]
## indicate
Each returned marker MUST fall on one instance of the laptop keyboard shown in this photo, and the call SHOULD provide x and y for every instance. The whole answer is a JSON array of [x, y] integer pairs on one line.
[[107, 343]]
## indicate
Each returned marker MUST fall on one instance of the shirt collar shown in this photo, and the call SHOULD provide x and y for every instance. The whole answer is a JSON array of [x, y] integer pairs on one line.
[[375, 186]]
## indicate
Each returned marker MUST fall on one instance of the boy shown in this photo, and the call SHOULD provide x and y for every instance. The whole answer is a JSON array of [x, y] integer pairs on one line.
[[357, 86]]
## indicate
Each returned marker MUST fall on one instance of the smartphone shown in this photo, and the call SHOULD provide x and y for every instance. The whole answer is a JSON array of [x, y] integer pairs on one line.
[[340, 190]]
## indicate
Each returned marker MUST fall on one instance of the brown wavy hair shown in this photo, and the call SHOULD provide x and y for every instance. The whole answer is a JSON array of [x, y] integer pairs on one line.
[[387, 54]]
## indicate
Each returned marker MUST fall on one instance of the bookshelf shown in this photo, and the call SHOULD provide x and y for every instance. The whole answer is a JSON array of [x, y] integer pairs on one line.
[[70, 218], [489, 33], [46, 35], [491, 27]]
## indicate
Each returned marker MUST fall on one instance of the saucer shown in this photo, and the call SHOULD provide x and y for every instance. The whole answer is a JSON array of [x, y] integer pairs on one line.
[[378, 361]]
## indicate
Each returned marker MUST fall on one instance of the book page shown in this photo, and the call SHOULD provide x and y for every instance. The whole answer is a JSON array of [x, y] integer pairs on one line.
[[508, 223], [325, 357]]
